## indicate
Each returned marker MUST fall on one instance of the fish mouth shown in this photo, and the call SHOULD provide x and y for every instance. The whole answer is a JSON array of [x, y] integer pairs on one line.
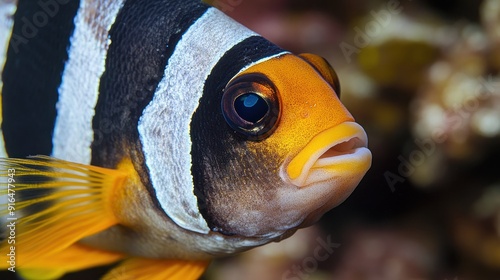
[[336, 153]]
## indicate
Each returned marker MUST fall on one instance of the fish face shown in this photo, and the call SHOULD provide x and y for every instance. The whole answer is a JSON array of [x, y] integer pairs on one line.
[[279, 152]]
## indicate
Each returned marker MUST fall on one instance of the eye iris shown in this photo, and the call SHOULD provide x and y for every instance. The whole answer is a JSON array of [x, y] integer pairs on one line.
[[251, 107]]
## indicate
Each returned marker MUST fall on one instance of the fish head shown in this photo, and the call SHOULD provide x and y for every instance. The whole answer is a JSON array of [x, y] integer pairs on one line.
[[278, 152]]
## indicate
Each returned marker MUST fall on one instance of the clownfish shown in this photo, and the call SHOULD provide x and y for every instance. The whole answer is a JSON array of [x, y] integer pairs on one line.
[[159, 135]]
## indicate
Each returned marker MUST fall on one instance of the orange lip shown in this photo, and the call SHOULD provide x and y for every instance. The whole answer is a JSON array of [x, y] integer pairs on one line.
[[336, 152]]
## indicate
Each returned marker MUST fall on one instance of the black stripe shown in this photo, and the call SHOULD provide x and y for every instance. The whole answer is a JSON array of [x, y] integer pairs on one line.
[[143, 38], [32, 74], [213, 141]]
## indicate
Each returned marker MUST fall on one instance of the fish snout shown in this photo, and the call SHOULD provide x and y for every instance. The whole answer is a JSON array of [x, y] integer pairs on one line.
[[338, 154]]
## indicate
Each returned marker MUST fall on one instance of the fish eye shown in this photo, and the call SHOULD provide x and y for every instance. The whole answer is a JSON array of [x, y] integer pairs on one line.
[[250, 106], [323, 67]]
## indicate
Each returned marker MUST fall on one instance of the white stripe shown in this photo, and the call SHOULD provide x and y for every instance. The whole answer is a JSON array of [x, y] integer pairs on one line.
[[7, 11], [260, 61], [79, 90], [164, 127]]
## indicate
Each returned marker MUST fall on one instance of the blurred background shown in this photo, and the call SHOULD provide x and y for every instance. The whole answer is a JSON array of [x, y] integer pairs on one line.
[[422, 77]]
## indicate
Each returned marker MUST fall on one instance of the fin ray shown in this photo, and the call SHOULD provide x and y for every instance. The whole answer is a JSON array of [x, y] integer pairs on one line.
[[71, 201], [153, 269], [74, 258]]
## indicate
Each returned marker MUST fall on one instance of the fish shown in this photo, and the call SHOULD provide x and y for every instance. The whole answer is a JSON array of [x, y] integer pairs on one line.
[[158, 135]]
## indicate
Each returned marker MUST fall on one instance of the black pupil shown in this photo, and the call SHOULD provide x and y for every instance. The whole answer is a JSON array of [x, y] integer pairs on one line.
[[251, 107]]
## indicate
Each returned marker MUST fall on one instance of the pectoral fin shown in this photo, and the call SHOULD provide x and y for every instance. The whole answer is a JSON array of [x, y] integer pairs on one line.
[[51, 204], [153, 269], [74, 258]]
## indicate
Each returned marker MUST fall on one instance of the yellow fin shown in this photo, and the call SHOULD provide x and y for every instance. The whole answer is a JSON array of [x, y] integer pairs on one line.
[[41, 274], [51, 204], [74, 258], [154, 269]]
